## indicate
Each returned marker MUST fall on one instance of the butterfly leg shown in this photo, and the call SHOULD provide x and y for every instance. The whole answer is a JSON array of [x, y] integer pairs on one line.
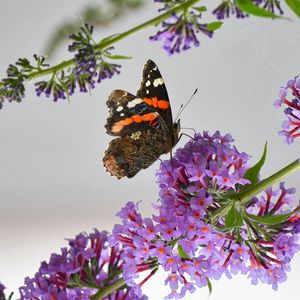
[[182, 134]]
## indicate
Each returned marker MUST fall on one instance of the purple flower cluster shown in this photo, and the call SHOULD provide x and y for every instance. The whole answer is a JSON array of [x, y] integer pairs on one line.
[[181, 239], [13, 85], [90, 66], [228, 8], [179, 32], [291, 126], [89, 60], [272, 250], [88, 265]]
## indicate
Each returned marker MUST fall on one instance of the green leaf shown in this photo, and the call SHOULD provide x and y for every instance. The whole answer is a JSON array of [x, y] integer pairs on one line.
[[118, 57], [233, 218], [253, 172], [294, 5], [214, 26], [182, 253], [248, 7], [209, 285], [271, 220], [200, 8]]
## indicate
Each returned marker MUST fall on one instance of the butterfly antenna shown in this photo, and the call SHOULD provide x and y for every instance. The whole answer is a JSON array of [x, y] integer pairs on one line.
[[182, 107]]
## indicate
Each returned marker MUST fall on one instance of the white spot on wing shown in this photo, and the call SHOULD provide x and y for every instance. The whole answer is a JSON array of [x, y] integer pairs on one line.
[[134, 102], [158, 81], [148, 82], [122, 114], [119, 108]]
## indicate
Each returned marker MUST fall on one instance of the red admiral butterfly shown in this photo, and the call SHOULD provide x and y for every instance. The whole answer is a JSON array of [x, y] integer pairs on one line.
[[143, 125]]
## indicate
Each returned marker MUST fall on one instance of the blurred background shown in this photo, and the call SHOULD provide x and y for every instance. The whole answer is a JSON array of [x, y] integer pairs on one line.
[[52, 182]]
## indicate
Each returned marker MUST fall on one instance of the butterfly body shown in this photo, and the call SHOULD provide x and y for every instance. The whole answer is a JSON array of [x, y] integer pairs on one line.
[[143, 126]]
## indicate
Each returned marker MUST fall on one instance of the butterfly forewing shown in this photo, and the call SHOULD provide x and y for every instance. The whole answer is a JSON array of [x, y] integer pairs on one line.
[[153, 91], [129, 114]]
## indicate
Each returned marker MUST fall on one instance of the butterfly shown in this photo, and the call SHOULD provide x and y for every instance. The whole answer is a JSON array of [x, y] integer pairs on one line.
[[142, 124]]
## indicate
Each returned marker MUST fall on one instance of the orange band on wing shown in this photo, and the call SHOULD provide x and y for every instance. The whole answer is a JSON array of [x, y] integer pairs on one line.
[[162, 104], [118, 126]]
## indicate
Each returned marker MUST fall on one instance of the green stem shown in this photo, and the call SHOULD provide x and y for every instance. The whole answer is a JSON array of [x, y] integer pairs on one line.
[[246, 195], [110, 41], [108, 290], [249, 193]]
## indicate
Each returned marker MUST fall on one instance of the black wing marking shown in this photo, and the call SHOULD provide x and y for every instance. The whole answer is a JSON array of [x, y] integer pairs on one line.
[[129, 114], [153, 86]]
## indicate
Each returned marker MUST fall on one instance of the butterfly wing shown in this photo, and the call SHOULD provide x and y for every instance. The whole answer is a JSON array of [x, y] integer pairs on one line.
[[153, 91], [129, 114], [127, 155]]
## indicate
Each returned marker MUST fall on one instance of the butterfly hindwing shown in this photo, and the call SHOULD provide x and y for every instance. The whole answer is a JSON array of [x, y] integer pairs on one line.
[[127, 155]]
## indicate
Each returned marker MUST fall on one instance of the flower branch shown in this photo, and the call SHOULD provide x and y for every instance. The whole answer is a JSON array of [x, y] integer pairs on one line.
[[181, 23], [109, 41], [257, 236], [247, 194], [91, 62]]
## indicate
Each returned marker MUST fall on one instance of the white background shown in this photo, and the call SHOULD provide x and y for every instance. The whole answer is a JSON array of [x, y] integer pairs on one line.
[[52, 183]]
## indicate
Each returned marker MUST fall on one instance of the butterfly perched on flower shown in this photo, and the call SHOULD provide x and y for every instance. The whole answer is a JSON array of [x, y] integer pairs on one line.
[[143, 125]]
